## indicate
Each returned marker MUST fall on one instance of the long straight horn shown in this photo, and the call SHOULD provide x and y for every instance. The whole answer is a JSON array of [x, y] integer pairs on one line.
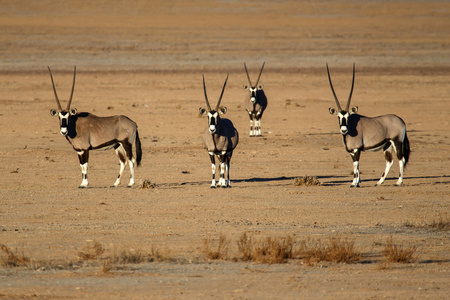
[[260, 72], [73, 87], [54, 90], [351, 91], [332, 89], [248, 76], [206, 96], [223, 89]]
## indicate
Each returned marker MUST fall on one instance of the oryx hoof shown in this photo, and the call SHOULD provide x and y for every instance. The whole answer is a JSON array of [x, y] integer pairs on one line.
[[82, 187], [212, 187], [399, 184]]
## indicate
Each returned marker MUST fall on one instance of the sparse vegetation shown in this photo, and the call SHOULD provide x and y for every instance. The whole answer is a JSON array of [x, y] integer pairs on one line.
[[337, 250], [306, 181], [91, 251], [219, 251], [398, 253], [439, 224], [147, 184], [10, 259], [266, 250]]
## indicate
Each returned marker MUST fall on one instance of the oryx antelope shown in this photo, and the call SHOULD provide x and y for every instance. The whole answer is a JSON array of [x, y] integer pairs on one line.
[[85, 132], [361, 133], [220, 138], [255, 103]]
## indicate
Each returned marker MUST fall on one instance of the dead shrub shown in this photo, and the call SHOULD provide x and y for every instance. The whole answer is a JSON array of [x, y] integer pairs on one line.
[[266, 250], [129, 256], [441, 224], [91, 251], [306, 181], [10, 259], [219, 251], [337, 250], [399, 253], [147, 184]]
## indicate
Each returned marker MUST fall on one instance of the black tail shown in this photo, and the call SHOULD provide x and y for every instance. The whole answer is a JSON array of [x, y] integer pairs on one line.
[[138, 149], [405, 149]]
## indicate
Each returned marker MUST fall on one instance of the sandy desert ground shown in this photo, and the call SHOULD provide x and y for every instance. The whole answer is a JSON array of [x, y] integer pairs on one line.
[[145, 59]]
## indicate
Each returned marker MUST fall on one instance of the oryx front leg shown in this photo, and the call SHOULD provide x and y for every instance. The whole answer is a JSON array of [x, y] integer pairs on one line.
[[356, 179], [83, 156], [223, 166], [389, 162], [252, 131], [257, 127], [213, 169]]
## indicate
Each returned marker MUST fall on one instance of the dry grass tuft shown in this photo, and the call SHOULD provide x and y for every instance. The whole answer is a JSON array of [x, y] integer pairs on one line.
[[337, 250], [129, 256], [219, 251], [10, 259], [306, 181], [91, 251], [266, 250], [147, 184], [441, 224], [399, 254]]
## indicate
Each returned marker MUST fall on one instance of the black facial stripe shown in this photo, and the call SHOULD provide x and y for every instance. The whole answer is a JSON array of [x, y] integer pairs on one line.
[[212, 121], [64, 122]]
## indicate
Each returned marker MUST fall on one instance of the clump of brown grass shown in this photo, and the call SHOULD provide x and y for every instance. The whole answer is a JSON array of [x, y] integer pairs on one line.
[[398, 253], [266, 250], [218, 251], [337, 250], [91, 251], [129, 256], [442, 224], [147, 184], [306, 181], [10, 259]]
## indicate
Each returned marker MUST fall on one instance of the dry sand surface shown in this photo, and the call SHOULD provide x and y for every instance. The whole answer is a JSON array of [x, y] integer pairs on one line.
[[145, 59]]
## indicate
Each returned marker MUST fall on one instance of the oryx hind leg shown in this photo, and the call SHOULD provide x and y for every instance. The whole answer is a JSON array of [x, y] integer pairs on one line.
[[83, 156], [389, 162], [122, 155], [401, 162], [131, 161], [228, 159]]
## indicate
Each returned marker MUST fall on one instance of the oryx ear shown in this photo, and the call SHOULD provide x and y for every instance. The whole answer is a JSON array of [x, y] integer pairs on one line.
[[53, 112], [245, 87], [73, 111], [222, 110], [202, 111], [354, 110], [260, 87], [332, 111]]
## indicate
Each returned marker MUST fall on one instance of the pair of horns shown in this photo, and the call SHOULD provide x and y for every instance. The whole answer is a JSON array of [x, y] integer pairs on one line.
[[351, 91], [248, 76], [71, 94], [220, 99]]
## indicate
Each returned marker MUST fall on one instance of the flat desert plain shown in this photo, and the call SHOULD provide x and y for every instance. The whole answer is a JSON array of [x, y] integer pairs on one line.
[[145, 60]]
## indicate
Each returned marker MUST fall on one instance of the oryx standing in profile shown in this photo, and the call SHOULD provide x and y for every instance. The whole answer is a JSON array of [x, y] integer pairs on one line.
[[362, 133], [85, 132], [220, 138], [255, 103]]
